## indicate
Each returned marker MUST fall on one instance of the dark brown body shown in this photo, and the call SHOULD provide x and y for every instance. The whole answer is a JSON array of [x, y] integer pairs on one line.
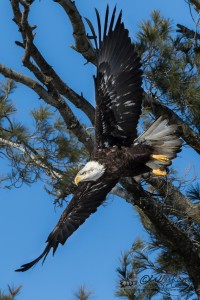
[[123, 161]]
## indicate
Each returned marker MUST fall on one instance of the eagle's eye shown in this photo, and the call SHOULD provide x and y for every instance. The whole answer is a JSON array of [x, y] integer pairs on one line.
[[82, 172]]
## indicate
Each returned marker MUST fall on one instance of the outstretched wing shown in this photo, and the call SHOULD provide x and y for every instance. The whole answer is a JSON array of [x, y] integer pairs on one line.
[[85, 202], [118, 84]]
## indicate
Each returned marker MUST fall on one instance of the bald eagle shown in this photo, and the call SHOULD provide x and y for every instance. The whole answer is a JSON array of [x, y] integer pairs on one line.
[[118, 152]]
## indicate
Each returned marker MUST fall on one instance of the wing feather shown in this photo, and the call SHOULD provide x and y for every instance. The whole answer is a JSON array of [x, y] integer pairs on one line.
[[84, 202], [106, 22], [117, 84], [99, 25]]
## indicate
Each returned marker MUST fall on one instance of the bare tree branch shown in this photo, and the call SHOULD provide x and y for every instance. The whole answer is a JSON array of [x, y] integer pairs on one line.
[[53, 81], [65, 111], [82, 42]]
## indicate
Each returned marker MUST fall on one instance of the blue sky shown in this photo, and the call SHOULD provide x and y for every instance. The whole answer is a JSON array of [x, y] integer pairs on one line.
[[90, 256]]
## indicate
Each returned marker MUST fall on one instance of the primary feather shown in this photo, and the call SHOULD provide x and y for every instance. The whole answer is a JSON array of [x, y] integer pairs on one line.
[[85, 201], [117, 85]]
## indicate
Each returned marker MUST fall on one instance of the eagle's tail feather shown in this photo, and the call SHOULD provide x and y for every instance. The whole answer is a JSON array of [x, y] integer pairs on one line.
[[165, 142]]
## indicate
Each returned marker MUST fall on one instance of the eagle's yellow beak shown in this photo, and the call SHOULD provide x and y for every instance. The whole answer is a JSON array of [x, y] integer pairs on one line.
[[77, 179]]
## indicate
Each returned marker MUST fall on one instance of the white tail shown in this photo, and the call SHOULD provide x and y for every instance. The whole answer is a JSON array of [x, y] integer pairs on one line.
[[164, 140]]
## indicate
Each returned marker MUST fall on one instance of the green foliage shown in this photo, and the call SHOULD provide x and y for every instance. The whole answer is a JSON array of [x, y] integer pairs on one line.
[[193, 193], [47, 152], [154, 31], [143, 275], [6, 88], [13, 292], [83, 294], [171, 66]]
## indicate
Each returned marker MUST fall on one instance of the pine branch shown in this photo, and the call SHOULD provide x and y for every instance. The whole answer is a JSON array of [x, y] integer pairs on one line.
[[179, 202], [83, 293], [177, 238], [193, 192], [174, 202], [35, 157], [71, 121], [13, 292]]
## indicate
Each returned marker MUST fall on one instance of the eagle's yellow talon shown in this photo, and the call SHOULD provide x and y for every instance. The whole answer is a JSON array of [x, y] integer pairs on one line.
[[160, 157], [159, 172]]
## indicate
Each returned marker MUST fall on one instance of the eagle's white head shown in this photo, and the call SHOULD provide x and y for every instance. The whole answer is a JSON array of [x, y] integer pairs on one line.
[[90, 172]]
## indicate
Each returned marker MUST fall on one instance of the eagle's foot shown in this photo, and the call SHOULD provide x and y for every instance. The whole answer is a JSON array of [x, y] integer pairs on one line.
[[160, 157], [159, 172]]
